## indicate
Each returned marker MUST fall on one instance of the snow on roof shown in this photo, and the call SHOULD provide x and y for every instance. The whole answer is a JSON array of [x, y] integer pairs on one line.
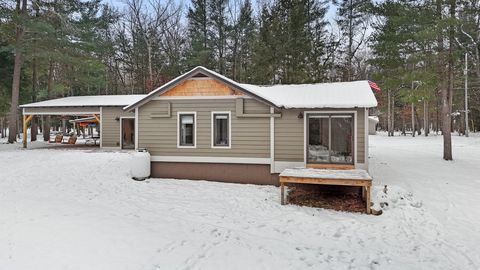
[[84, 101], [320, 95]]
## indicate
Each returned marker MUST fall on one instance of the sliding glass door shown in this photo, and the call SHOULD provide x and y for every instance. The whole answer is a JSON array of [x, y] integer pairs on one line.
[[330, 138]]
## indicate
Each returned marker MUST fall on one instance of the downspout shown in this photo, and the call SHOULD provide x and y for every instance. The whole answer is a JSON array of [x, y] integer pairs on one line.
[[272, 140]]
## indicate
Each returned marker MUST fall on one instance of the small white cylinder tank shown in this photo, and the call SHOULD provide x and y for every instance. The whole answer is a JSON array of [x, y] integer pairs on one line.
[[140, 166]]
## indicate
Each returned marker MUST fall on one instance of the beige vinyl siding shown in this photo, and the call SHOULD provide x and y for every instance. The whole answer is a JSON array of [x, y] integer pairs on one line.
[[361, 135], [250, 136], [59, 110], [111, 127], [289, 138], [253, 106], [289, 135]]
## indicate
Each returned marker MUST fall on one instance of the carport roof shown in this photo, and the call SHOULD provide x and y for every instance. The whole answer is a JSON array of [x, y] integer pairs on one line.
[[87, 101]]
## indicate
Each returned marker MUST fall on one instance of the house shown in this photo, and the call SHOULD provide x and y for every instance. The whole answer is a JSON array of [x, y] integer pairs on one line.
[[202, 125]]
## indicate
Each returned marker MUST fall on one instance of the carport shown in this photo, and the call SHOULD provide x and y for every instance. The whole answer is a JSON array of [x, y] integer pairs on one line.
[[107, 110]]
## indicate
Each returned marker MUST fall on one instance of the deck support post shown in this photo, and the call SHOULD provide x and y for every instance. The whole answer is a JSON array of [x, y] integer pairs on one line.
[[367, 199], [26, 119], [282, 193]]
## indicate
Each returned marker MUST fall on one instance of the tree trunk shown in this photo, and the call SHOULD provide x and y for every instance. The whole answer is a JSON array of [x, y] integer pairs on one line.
[[34, 128], [413, 120], [21, 9], [417, 122], [2, 135], [426, 124], [389, 126], [46, 121], [446, 116]]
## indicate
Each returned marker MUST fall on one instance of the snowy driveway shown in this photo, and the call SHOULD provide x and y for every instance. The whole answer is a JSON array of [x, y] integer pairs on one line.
[[80, 210]]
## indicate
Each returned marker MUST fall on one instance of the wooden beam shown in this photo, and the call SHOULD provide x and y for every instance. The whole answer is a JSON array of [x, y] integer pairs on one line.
[[26, 119], [96, 118], [367, 200], [282, 193]]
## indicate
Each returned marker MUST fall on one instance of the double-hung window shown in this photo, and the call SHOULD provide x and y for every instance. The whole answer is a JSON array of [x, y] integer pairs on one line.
[[187, 129], [221, 133]]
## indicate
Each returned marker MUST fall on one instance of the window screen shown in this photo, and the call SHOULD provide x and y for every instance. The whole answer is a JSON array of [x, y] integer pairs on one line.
[[221, 129], [187, 126]]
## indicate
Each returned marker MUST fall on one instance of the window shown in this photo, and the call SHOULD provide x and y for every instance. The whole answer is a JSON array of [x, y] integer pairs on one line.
[[330, 138], [187, 129], [221, 129]]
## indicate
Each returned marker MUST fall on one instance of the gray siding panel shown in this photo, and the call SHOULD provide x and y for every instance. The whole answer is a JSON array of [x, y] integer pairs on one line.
[[289, 135], [111, 127], [250, 136]]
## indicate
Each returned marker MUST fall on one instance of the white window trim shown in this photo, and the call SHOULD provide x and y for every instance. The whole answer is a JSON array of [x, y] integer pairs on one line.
[[194, 130], [272, 141], [136, 128], [101, 127], [212, 129], [208, 159]]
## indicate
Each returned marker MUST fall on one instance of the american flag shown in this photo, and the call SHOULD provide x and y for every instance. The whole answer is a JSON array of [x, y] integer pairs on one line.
[[374, 86]]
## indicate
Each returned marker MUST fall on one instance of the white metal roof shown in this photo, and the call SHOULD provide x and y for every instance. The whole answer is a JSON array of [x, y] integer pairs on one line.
[[304, 96], [320, 95], [87, 101]]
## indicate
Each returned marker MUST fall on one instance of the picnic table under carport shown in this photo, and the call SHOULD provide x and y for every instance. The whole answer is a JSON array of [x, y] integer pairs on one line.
[[94, 107]]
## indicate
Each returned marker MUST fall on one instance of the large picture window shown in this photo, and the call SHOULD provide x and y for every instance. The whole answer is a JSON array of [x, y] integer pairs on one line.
[[330, 138], [221, 129], [186, 129]]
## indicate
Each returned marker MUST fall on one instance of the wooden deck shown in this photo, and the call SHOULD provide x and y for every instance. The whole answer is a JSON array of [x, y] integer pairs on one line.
[[358, 178]]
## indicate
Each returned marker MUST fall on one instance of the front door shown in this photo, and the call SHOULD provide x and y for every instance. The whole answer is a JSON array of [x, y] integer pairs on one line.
[[128, 133], [330, 138]]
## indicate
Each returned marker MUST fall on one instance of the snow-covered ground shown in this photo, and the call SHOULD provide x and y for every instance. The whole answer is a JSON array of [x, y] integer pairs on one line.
[[79, 209]]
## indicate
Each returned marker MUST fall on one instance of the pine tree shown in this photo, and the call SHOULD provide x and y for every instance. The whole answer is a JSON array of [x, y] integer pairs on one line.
[[266, 55], [353, 22], [20, 17], [291, 41], [218, 32], [242, 39], [200, 51]]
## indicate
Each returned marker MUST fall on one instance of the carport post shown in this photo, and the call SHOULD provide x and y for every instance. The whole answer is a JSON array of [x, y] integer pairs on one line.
[[26, 119]]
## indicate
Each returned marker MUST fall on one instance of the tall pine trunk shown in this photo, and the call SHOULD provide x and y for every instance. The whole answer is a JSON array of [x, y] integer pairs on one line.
[[34, 127], [446, 117], [21, 9], [46, 122]]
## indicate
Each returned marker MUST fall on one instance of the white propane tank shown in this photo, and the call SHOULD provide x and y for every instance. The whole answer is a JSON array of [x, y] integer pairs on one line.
[[140, 167]]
